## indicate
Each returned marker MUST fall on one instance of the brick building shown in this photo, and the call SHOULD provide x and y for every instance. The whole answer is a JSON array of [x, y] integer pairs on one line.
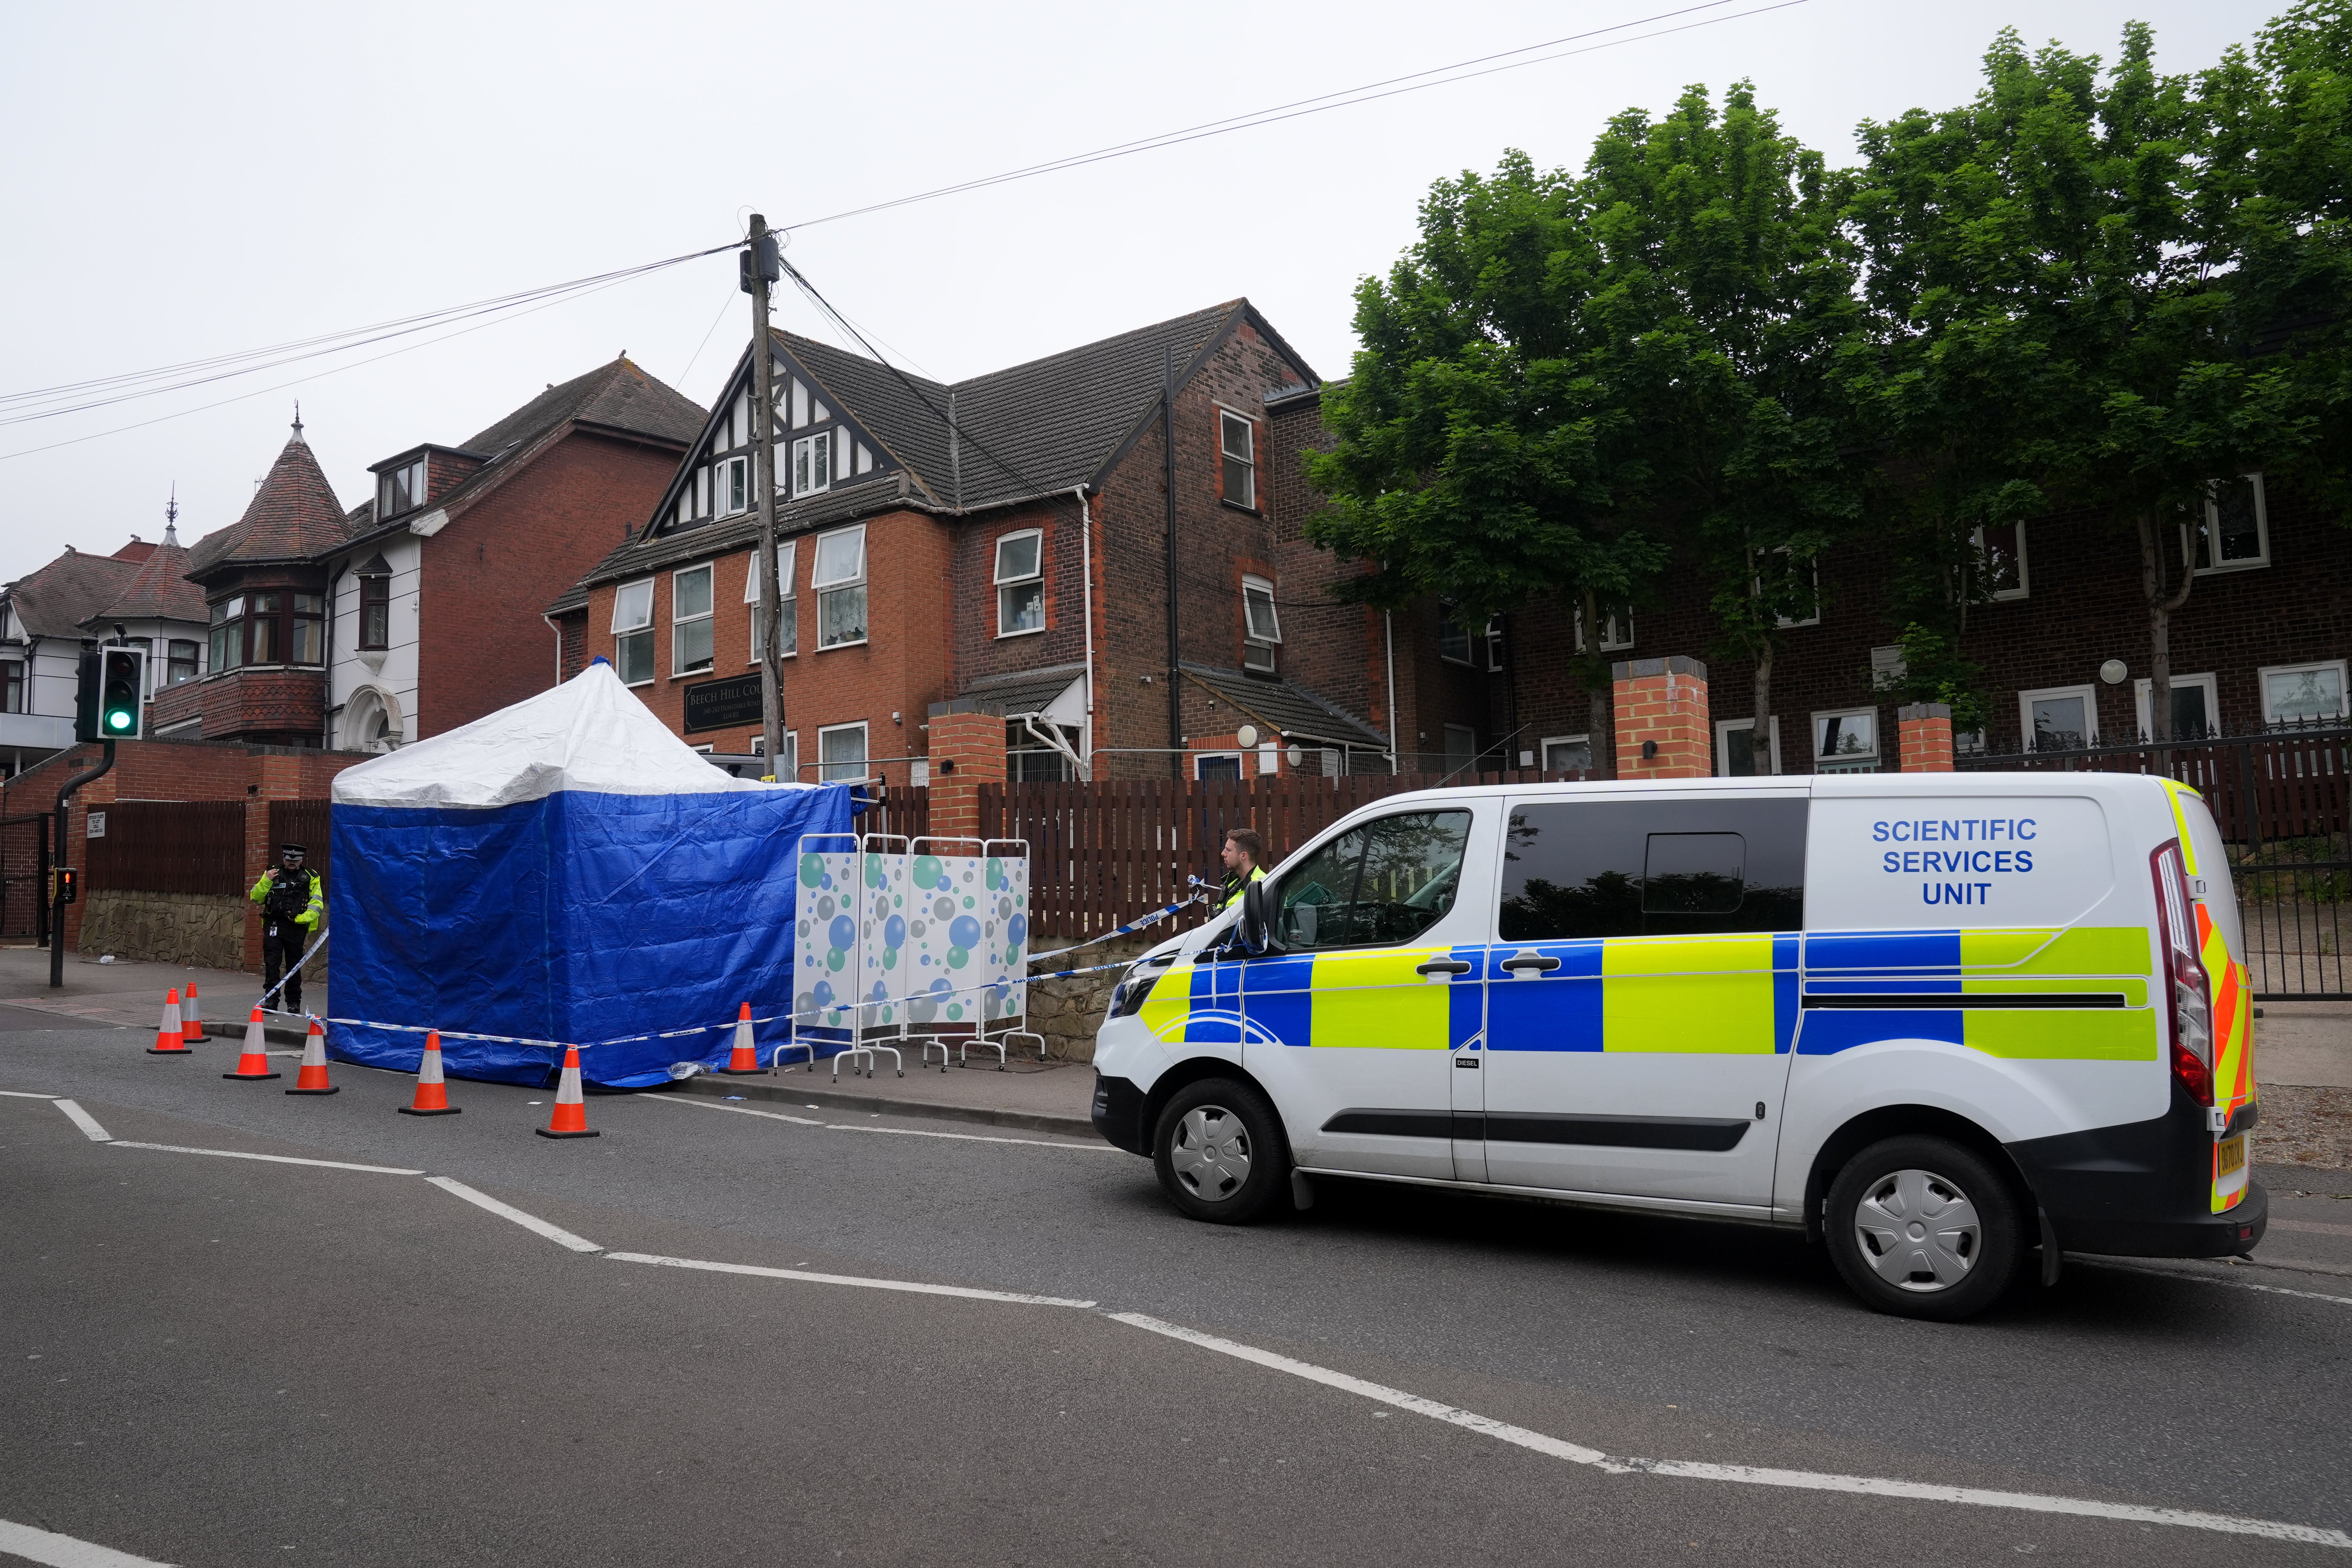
[[998, 547], [46, 616]]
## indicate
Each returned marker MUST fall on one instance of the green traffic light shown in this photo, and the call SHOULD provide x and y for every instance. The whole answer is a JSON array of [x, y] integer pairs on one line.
[[118, 720]]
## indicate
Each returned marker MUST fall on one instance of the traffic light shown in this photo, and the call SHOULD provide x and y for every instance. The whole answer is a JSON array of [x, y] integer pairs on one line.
[[68, 886], [110, 696]]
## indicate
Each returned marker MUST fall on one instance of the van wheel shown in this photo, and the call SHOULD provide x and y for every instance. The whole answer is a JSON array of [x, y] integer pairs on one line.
[[1219, 1151], [1923, 1227]]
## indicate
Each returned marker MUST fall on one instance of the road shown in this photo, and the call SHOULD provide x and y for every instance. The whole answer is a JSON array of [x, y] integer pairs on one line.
[[215, 1361]]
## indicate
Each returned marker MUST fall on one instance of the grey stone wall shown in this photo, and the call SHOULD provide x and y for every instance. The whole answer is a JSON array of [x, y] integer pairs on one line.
[[206, 930], [1068, 1012]]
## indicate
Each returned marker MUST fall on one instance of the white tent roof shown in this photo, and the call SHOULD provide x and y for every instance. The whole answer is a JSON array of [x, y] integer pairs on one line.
[[589, 734]]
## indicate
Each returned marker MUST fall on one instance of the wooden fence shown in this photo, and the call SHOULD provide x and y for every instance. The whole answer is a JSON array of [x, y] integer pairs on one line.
[[302, 822], [168, 846], [2280, 784]]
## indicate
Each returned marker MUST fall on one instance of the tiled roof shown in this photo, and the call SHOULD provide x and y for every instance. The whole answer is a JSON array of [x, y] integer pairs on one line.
[[294, 515], [1291, 711], [616, 394], [158, 590], [1019, 692], [54, 601]]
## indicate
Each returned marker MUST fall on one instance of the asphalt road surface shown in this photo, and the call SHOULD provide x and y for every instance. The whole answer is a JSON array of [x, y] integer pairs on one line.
[[213, 1361]]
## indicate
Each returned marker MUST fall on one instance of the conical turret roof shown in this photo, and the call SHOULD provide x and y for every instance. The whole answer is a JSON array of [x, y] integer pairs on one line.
[[294, 515], [161, 591]]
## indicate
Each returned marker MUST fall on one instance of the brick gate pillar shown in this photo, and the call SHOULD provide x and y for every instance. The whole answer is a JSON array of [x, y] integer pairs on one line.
[[967, 751], [1927, 731], [1663, 730]]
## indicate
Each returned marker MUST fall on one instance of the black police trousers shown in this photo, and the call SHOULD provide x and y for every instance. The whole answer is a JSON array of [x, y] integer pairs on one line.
[[283, 943]]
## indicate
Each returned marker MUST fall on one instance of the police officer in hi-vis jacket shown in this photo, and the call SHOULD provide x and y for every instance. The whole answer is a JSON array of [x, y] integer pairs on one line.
[[293, 901]]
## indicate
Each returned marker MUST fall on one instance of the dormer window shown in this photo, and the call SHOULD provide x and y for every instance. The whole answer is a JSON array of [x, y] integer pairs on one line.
[[401, 489]]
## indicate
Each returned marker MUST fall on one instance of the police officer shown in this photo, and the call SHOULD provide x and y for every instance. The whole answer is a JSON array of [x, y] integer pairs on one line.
[[1241, 855], [293, 901]]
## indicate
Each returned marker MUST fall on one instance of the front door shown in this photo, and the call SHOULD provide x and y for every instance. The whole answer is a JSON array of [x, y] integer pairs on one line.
[[1643, 995], [1353, 1026]]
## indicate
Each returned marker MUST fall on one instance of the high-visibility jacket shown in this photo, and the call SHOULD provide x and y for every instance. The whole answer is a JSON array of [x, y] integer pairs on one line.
[[315, 904], [1235, 886]]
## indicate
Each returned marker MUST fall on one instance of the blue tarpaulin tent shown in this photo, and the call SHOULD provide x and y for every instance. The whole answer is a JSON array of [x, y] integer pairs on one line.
[[566, 871]]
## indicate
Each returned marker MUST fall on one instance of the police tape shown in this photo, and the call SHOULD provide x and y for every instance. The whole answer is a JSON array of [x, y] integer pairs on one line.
[[1158, 914], [294, 969]]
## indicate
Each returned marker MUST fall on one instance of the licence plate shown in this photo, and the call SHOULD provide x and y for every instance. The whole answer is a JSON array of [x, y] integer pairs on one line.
[[2229, 1156]]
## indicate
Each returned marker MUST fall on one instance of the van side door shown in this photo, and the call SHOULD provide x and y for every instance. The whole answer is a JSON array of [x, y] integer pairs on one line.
[[1643, 994]]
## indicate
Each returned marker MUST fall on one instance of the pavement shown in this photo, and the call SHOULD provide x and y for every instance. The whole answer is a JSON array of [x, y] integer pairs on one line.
[[837, 1334], [131, 993]]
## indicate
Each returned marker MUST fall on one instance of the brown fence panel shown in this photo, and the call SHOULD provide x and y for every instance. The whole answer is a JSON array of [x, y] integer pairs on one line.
[[899, 809], [169, 847]]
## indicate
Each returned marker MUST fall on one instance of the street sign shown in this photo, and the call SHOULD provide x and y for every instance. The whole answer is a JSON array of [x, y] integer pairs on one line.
[[723, 704], [94, 825]]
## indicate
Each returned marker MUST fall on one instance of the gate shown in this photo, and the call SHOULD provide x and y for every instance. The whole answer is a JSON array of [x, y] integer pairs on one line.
[[24, 876]]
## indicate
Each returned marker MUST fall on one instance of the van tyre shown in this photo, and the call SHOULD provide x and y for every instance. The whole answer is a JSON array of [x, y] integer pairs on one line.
[[1220, 1153], [1924, 1227]]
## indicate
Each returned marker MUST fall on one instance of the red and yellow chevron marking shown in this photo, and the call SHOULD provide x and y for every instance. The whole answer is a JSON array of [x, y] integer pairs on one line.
[[2234, 1046]]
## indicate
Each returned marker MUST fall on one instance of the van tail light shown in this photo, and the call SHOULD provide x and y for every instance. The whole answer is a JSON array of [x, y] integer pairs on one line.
[[2192, 989]]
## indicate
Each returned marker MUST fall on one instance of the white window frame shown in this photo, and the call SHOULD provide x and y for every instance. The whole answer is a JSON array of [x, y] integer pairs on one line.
[[1544, 746], [1616, 631], [1846, 761], [1463, 658], [840, 585], [805, 482], [792, 739], [2263, 686], [1272, 632], [1723, 728], [786, 560], [707, 619], [2024, 589], [1783, 621], [1228, 420], [644, 628], [1449, 732], [1005, 584], [865, 753], [412, 473], [2026, 700], [2190, 543], [2142, 688], [1241, 767], [730, 479], [1492, 639]]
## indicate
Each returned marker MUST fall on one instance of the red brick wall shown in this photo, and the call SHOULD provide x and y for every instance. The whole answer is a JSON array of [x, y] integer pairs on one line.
[[484, 644], [1662, 707]]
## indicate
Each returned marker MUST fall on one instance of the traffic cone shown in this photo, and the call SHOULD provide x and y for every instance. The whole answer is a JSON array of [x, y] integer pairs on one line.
[[253, 1062], [745, 1057], [570, 1118], [192, 1022], [312, 1078], [432, 1090], [170, 1040]]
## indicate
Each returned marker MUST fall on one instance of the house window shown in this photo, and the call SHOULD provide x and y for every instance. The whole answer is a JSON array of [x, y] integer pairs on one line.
[[263, 633], [1461, 747], [12, 686], [1452, 639], [1493, 641], [839, 578], [1810, 574], [1020, 584], [1030, 759], [1735, 748], [1261, 624], [689, 620], [2000, 560], [2235, 532], [789, 643], [375, 612], [1616, 631], [733, 484], [227, 634], [813, 464], [401, 489], [1845, 742], [147, 670], [1217, 765], [182, 662], [2059, 717], [307, 643], [2196, 708], [633, 631], [840, 754], [1237, 437], [2302, 693], [1568, 754]]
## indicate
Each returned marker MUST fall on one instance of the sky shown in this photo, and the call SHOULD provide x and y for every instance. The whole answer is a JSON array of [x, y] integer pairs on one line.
[[183, 182]]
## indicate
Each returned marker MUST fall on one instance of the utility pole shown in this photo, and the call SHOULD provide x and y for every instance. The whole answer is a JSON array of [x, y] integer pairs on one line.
[[763, 265]]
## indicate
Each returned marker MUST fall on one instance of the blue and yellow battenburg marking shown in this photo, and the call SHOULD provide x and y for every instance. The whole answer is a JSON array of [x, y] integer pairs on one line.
[[2027, 961], [1374, 999]]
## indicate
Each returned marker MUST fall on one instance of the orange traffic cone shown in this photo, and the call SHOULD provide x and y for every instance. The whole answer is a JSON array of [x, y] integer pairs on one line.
[[745, 1057], [191, 1021], [432, 1090], [253, 1062], [170, 1038], [570, 1118], [312, 1078]]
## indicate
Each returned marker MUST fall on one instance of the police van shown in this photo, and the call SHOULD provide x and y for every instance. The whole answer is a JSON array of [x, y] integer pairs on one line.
[[1937, 1021]]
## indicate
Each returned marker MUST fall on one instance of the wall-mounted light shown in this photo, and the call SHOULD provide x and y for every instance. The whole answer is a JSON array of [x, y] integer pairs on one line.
[[1649, 750], [2113, 671]]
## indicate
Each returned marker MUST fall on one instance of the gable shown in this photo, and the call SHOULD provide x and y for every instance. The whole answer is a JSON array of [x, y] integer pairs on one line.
[[820, 446]]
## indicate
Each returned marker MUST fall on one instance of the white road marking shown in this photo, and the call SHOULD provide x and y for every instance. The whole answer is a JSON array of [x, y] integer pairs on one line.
[[737, 1109], [531, 1222], [2213, 1280], [273, 1159], [85, 1121], [908, 1285], [20, 1094], [1748, 1475], [64, 1551], [857, 1127]]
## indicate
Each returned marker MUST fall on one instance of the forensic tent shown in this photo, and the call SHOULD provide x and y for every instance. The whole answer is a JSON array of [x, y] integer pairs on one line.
[[564, 871]]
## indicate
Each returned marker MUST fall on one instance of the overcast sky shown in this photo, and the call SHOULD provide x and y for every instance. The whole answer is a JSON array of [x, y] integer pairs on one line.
[[187, 180]]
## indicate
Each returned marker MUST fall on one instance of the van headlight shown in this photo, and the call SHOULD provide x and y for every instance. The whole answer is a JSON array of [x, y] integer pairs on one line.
[[1134, 988]]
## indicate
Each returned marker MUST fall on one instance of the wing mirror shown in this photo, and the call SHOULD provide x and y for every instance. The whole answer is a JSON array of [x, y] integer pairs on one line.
[[1253, 933]]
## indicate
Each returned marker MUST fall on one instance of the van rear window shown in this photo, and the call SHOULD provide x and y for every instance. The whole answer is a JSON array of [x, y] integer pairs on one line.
[[1620, 867]]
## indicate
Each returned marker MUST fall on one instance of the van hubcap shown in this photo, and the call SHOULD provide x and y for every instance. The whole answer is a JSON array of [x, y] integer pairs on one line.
[[1210, 1152], [1918, 1230]]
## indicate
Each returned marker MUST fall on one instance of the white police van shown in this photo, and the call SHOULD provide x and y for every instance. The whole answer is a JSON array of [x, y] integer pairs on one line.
[[1935, 1020]]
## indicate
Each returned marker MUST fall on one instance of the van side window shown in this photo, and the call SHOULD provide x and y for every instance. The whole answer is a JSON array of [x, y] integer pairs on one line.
[[1619, 868], [1384, 882]]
